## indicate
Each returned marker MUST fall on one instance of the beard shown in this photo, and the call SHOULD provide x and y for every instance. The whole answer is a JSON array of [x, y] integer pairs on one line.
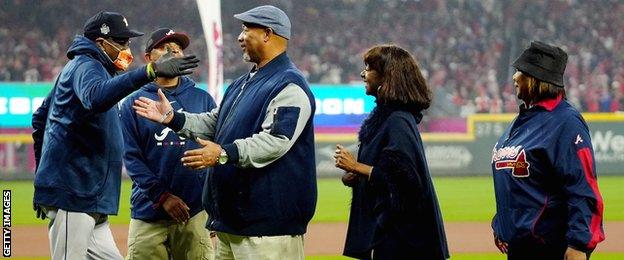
[[250, 57]]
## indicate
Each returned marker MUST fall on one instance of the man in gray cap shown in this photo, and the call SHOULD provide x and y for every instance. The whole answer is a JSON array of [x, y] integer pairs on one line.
[[78, 137], [261, 192]]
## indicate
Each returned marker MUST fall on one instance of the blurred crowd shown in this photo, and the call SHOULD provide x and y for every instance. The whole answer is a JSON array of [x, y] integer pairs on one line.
[[464, 48]]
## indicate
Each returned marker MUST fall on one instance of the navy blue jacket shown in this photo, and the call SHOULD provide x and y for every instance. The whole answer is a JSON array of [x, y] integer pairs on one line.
[[80, 165], [280, 198], [545, 180], [397, 207], [152, 152]]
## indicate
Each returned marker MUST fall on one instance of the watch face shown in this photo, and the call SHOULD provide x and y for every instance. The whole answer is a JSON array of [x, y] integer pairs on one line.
[[223, 159]]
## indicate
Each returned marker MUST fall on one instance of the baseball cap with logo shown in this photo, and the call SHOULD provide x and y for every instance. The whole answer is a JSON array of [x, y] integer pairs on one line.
[[162, 35], [108, 24], [268, 16]]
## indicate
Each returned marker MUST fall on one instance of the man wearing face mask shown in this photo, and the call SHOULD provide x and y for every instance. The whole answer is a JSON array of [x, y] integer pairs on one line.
[[167, 216], [78, 178]]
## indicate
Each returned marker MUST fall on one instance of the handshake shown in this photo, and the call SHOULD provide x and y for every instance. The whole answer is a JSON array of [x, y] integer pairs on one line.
[[170, 66]]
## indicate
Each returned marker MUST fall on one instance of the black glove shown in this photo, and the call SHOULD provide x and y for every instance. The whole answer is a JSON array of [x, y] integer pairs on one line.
[[39, 211], [168, 66]]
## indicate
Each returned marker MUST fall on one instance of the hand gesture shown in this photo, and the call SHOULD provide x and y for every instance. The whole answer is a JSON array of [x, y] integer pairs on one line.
[[201, 158], [169, 66], [157, 111], [344, 159], [176, 208]]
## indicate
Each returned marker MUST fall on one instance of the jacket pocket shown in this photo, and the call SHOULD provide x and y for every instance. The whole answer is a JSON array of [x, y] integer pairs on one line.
[[86, 174], [285, 121], [551, 224]]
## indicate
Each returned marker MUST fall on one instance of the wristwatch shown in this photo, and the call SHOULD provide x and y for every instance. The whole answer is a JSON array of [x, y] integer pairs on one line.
[[223, 157]]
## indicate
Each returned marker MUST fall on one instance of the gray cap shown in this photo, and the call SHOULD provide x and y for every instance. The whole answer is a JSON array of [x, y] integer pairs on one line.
[[269, 16]]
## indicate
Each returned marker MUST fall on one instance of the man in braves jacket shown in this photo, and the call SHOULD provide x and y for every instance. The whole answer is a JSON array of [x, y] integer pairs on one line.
[[548, 205], [167, 216], [78, 178], [261, 193]]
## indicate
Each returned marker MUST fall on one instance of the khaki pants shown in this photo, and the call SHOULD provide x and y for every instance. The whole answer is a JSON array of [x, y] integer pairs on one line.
[[259, 248], [170, 240]]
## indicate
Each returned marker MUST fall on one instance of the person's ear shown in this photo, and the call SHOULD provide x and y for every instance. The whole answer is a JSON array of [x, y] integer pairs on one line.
[[267, 34], [148, 57]]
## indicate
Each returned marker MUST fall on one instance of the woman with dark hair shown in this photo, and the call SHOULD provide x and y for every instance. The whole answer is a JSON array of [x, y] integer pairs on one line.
[[394, 211], [548, 205]]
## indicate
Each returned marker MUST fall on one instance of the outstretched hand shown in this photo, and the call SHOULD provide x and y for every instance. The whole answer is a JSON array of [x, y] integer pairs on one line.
[[158, 111], [200, 158], [170, 66]]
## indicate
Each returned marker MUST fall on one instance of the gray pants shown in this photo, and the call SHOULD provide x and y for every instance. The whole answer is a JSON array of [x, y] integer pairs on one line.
[[78, 235]]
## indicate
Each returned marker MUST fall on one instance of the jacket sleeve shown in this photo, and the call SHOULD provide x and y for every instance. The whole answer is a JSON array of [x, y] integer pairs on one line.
[[285, 118], [396, 170], [39, 118], [576, 166], [134, 161], [97, 92], [193, 125]]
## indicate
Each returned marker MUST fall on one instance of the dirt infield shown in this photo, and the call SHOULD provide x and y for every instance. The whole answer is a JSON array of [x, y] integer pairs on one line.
[[322, 239]]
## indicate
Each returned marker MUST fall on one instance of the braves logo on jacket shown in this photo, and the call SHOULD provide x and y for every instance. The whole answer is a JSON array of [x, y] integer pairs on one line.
[[513, 158]]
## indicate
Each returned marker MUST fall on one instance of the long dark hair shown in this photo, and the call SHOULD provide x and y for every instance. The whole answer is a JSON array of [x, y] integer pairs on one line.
[[402, 81]]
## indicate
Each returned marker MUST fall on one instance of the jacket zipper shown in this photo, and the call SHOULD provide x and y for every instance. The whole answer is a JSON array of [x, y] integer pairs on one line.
[[232, 108]]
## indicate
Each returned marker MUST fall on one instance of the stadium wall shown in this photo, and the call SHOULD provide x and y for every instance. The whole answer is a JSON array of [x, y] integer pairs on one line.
[[340, 111]]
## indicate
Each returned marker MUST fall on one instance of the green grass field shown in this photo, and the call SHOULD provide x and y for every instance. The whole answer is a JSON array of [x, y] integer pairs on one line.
[[461, 199]]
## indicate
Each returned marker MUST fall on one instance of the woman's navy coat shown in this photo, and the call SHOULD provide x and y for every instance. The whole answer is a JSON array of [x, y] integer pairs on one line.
[[396, 210]]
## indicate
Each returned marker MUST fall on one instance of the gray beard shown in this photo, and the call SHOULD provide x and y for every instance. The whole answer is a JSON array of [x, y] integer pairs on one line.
[[246, 57]]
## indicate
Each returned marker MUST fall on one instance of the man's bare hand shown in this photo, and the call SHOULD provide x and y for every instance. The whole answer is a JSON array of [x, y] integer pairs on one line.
[[200, 158], [157, 111], [176, 208]]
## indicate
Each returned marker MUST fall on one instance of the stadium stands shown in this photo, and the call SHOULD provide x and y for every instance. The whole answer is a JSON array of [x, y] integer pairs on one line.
[[464, 47]]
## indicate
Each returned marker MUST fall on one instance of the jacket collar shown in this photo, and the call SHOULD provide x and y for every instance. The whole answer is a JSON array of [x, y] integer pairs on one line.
[[274, 64], [549, 104], [83, 46]]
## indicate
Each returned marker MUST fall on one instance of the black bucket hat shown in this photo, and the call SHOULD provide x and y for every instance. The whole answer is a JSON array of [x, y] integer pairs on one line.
[[544, 62]]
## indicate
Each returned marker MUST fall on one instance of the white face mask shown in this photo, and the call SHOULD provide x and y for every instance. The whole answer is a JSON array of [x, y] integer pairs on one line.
[[124, 57]]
